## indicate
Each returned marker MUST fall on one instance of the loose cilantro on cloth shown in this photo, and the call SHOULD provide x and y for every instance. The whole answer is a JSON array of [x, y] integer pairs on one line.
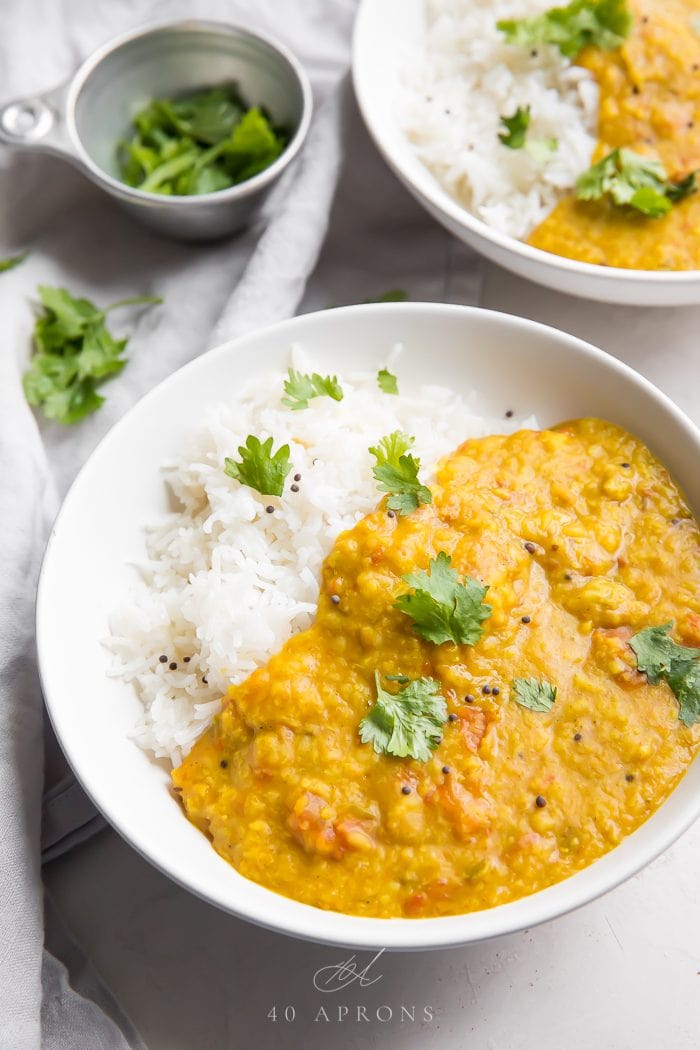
[[396, 472], [387, 382], [14, 260], [393, 295], [533, 694], [203, 142], [301, 388], [600, 23], [74, 354], [443, 607], [633, 180], [663, 660], [407, 724], [258, 468]]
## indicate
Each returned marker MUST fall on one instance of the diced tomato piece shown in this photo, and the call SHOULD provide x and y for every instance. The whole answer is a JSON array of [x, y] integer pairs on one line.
[[468, 813], [311, 822], [473, 726]]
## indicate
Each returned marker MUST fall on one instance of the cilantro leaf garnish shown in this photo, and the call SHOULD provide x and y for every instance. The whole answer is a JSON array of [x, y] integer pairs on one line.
[[259, 469], [515, 128], [407, 724], [396, 472], [202, 142], [301, 388], [14, 260], [600, 23], [387, 382], [678, 191], [663, 660], [515, 136], [533, 694], [633, 180], [541, 149], [443, 607], [622, 174], [74, 353], [650, 201]]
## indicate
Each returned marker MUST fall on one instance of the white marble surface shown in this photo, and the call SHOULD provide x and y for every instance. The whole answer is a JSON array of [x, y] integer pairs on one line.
[[621, 973]]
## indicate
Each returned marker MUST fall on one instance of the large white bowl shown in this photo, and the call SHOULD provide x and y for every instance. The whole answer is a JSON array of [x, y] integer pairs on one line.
[[385, 31], [515, 364]]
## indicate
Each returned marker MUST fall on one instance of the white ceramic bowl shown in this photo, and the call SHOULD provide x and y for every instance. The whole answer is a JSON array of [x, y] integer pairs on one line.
[[384, 31], [514, 364]]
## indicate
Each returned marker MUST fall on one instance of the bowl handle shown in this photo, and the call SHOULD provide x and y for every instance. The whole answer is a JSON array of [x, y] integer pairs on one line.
[[38, 122]]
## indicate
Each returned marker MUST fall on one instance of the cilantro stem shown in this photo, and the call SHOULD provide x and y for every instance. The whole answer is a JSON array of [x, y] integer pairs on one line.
[[15, 260], [134, 300], [168, 170]]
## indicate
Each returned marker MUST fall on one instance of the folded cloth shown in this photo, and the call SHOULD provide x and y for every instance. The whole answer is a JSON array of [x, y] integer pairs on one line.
[[77, 1011], [376, 237], [78, 238]]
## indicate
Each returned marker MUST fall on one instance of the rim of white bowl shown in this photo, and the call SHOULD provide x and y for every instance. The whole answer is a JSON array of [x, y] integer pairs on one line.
[[441, 200], [337, 928]]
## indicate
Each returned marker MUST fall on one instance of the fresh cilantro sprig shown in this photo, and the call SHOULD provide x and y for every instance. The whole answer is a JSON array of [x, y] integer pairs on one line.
[[533, 694], [14, 260], [515, 128], [396, 472], [301, 388], [387, 382], [663, 660], [258, 468], [74, 354], [199, 143], [600, 23], [635, 181], [407, 724], [514, 136], [443, 607], [678, 191]]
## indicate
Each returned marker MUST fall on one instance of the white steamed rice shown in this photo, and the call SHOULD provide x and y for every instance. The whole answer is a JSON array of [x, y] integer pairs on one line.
[[226, 583], [458, 81]]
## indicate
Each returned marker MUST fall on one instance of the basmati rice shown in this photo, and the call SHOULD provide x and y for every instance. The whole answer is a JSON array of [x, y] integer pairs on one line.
[[227, 583], [457, 83]]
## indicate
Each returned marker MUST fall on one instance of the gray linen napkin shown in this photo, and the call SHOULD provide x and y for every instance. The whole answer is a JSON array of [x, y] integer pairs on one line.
[[377, 236], [77, 238]]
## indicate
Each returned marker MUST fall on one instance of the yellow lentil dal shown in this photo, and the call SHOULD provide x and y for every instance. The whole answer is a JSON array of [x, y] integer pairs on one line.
[[583, 539], [649, 103]]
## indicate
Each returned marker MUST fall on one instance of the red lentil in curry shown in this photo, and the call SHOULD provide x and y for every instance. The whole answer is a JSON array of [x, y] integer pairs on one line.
[[583, 540], [649, 103]]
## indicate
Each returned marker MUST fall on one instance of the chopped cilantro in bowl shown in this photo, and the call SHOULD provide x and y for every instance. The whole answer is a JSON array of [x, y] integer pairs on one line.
[[202, 142]]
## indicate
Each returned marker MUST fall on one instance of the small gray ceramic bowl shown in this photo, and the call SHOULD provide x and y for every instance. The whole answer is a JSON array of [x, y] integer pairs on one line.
[[84, 119]]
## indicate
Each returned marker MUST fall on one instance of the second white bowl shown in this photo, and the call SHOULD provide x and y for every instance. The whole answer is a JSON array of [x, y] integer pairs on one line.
[[385, 30]]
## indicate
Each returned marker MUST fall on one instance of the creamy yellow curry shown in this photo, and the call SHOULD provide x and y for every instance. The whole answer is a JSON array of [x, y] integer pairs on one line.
[[649, 103], [583, 540]]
